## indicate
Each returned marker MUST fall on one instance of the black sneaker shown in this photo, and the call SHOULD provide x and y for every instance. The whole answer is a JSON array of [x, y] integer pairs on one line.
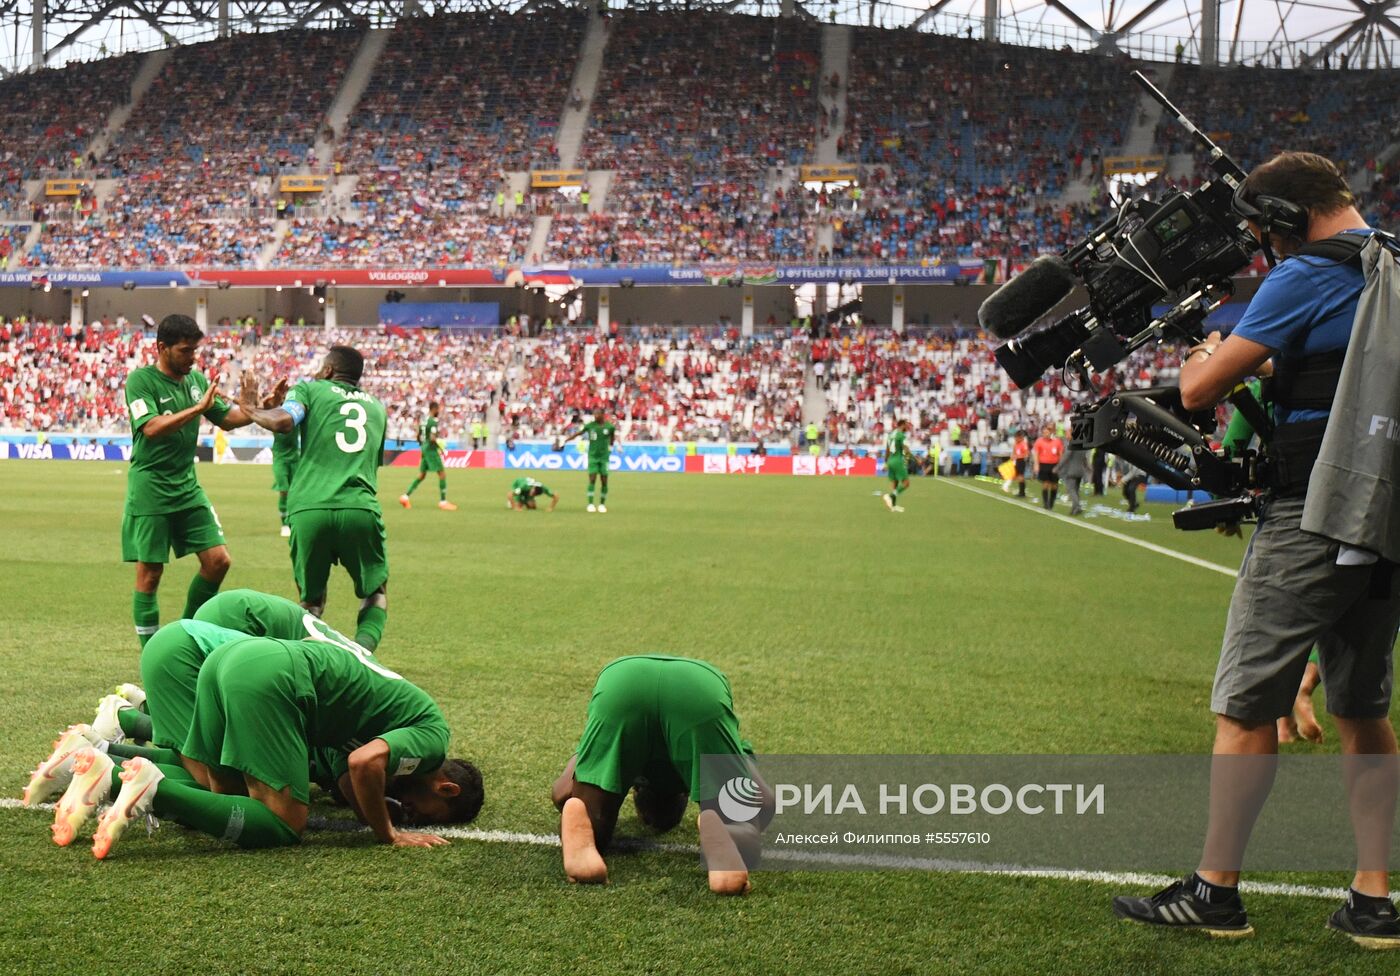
[[1374, 926], [1177, 906]]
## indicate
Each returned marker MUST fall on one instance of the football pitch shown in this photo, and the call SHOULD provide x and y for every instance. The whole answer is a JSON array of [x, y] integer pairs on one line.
[[961, 626]]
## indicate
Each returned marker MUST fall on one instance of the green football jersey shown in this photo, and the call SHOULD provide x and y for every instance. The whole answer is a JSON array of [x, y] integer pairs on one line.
[[357, 699], [207, 637], [286, 447], [264, 615], [523, 488], [894, 444], [427, 436], [600, 439], [161, 478], [342, 447]]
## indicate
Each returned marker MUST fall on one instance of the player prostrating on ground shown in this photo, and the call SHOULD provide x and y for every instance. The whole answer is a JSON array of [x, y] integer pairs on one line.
[[650, 720], [261, 707], [165, 506], [430, 459], [897, 465], [525, 492], [286, 451], [333, 506], [601, 434]]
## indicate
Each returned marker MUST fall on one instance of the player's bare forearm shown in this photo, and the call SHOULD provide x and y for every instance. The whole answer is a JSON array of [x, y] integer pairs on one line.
[[564, 785], [235, 418], [166, 424], [347, 790], [368, 778], [277, 420]]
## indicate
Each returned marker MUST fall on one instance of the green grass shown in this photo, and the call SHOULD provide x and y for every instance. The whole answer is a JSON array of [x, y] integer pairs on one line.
[[963, 626]]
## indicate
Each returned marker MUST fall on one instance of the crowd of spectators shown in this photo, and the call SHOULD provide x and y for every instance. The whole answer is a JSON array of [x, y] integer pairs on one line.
[[695, 133], [671, 385], [455, 102], [1255, 112], [692, 387], [51, 116]]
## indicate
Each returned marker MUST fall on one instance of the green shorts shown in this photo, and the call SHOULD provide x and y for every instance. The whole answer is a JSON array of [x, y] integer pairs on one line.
[[652, 719], [897, 470], [149, 538], [170, 664], [430, 461], [250, 714], [598, 466], [282, 472], [352, 537]]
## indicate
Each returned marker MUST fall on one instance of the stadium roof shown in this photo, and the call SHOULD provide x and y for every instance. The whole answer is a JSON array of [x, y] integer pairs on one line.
[[1272, 32]]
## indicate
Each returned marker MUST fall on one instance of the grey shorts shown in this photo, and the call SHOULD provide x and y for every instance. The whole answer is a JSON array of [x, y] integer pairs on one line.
[[1290, 596]]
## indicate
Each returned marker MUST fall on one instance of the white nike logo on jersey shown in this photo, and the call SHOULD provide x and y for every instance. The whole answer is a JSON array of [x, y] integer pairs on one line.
[[167, 399]]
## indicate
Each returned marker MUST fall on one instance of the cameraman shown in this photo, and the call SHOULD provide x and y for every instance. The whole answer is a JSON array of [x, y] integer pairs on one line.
[[1294, 588]]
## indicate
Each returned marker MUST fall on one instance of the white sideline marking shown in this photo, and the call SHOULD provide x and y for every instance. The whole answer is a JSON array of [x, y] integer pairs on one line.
[[868, 861], [1161, 550]]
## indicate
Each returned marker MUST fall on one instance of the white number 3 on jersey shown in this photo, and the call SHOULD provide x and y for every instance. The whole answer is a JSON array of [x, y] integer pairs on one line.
[[355, 418]]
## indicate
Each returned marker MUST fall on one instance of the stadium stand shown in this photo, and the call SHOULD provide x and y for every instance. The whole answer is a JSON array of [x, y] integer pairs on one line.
[[1256, 112], [456, 102], [695, 133], [51, 116], [663, 385]]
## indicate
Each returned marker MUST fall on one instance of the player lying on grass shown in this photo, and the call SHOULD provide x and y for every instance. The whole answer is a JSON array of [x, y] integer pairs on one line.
[[650, 720], [262, 709], [525, 492]]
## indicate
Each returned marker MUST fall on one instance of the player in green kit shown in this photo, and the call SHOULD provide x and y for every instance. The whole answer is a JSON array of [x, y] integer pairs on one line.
[[286, 451], [651, 719], [524, 492], [333, 506], [262, 707], [165, 506], [601, 435], [897, 465], [430, 459]]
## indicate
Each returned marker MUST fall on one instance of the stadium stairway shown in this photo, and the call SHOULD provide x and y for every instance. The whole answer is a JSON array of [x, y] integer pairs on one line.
[[351, 88], [814, 408], [836, 59], [1141, 139], [573, 121], [145, 77], [269, 250]]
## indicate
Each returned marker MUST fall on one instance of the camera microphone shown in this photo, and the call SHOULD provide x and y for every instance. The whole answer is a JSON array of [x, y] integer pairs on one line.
[[1026, 297]]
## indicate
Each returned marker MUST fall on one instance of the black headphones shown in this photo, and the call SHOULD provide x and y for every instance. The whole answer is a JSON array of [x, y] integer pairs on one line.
[[1274, 215]]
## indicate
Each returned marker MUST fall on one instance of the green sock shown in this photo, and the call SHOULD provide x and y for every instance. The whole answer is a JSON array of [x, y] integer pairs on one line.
[[369, 626], [135, 724], [282, 506], [239, 819], [146, 613], [898, 491], [156, 754], [590, 493], [413, 486], [603, 500], [442, 489], [199, 592]]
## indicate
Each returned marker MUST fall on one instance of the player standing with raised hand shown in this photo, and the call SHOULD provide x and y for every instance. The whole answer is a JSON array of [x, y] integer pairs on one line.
[[430, 459], [165, 506], [601, 434], [333, 506]]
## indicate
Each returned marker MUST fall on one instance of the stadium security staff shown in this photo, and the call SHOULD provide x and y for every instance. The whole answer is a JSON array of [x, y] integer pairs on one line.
[[1294, 588]]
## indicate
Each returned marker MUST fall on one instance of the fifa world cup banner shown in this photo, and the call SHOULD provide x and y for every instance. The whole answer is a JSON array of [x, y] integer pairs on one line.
[[802, 465]]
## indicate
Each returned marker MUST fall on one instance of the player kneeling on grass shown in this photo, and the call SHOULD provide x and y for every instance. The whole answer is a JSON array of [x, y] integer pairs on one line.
[[525, 492], [261, 706], [650, 721]]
